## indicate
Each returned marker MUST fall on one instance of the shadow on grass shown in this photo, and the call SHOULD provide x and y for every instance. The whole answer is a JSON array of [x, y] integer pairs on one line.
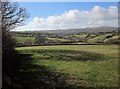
[[68, 55], [32, 76]]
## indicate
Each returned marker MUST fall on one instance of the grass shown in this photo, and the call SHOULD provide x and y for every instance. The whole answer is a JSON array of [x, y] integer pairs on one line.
[[80, 43], [81, 36], [25, 39], [72, 66], [57, 39], [114, 38], [100, 38]]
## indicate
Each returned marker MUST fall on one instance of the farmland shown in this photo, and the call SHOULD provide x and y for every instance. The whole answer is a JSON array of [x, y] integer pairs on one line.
[[68, 37], [59, 45], [68, 66], [71, 59]]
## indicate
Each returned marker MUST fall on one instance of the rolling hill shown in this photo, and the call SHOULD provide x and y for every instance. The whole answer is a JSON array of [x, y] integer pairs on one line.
[[93, 35]]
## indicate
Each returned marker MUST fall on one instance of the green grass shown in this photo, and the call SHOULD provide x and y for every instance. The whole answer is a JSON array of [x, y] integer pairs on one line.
[[80, 43], [25, 39], [57, 39], [100, 38], [76, 65], [114, 38], [81, 35]]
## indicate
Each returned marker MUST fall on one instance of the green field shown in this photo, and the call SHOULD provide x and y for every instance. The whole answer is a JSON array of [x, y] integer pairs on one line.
[[114, 38], [100, 38], [57, 39], [81, 35], [81, 38], [69, 66], [25, 39]]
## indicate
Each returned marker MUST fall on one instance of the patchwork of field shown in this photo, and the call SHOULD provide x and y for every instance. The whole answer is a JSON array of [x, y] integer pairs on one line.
[[24, 39], [68, 66]]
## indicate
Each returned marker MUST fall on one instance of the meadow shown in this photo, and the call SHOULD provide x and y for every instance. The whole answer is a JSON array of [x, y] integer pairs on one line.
[[68, 66]]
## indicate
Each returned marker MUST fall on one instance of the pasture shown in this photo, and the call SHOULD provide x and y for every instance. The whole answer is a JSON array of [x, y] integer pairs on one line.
[[68, 66], [30, 39]]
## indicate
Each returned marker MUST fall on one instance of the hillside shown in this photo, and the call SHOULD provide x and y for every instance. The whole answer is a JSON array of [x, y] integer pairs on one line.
[[87, 30], [75, 31], [94, 35]]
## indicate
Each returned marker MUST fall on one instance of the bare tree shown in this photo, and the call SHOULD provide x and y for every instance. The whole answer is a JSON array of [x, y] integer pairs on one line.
[[12, 15]]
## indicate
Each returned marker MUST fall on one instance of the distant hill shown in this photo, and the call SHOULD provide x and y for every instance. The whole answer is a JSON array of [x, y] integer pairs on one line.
[[72, 31], [93, 35], [62, 32]]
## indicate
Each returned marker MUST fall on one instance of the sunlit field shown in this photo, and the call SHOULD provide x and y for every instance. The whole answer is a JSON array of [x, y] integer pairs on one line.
[[68, 66]]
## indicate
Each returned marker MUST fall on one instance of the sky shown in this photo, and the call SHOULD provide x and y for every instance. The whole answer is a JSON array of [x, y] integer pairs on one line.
[[67, 15]]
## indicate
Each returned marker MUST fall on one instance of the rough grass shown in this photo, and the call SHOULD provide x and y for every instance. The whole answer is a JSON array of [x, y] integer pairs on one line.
[[72, 66]]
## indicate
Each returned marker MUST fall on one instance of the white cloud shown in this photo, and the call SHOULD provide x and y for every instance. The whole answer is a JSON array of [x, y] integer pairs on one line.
[[98, 16]]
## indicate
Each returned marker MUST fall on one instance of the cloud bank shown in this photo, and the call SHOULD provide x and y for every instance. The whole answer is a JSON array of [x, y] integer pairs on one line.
[[97, 16]]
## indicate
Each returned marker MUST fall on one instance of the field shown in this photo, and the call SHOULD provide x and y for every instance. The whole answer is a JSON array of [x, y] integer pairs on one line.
[[30, 39], [68, 66], [25, 39], [100, 38]]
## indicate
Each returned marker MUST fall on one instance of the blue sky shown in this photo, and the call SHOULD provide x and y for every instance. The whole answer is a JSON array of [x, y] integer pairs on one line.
[[67, 15], [45, 9]]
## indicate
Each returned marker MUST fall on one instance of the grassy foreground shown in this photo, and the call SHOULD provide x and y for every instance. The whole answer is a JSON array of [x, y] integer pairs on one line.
[[73, 66]]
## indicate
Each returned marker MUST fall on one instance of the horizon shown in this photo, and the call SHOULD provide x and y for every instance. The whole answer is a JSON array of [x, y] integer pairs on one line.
[[69, 15], [62, 29]]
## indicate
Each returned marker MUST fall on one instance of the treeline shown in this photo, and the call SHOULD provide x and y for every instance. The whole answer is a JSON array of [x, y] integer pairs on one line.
[[28, 39]]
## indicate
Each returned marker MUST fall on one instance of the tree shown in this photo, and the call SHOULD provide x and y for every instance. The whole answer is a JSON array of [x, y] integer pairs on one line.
[[12, 15], [39, 40]]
